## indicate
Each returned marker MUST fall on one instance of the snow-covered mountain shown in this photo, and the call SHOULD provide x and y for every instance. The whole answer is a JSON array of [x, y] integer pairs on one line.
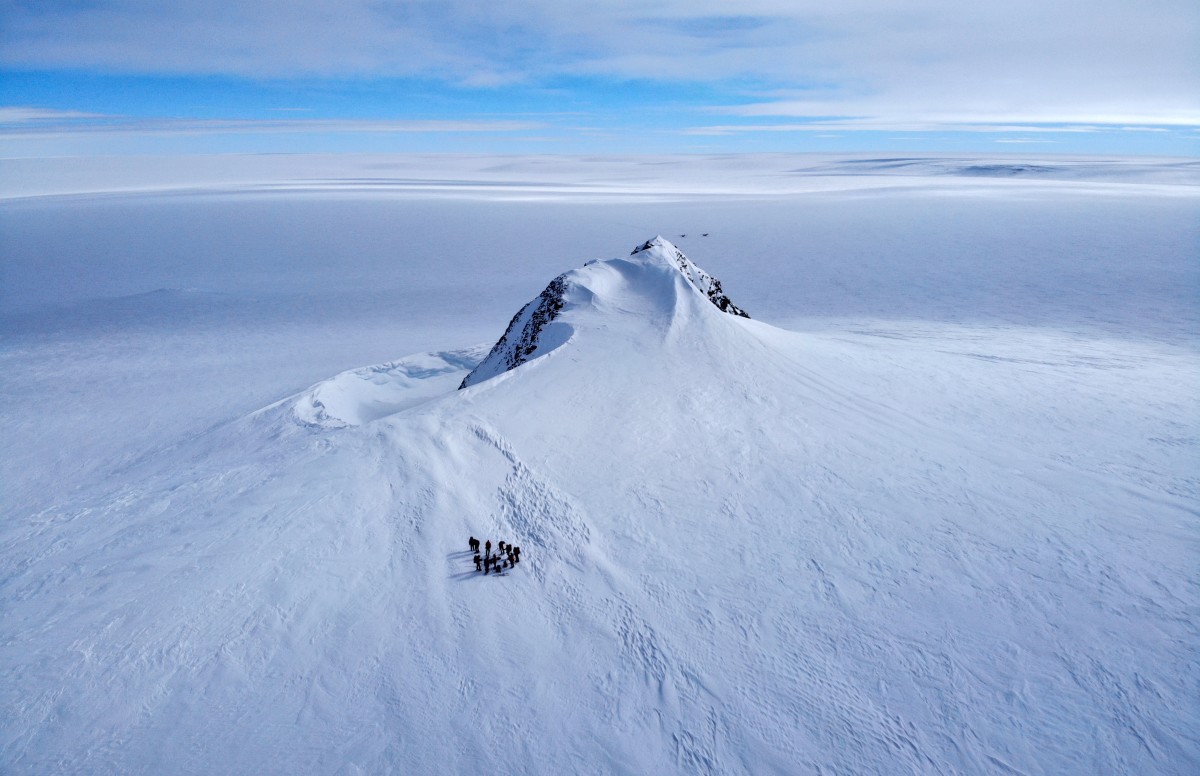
[[745, 550], [655, 264]]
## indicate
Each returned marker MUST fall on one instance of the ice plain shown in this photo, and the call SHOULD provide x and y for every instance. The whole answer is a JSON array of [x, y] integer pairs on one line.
[[934, 510]]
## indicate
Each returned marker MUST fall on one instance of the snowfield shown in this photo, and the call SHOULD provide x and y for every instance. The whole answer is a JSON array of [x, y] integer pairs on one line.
[[931, 509]]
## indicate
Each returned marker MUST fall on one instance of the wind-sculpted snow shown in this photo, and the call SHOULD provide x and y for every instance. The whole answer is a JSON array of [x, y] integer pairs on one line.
[[363, 395], [524, 339], [903, 546], [708, 285]]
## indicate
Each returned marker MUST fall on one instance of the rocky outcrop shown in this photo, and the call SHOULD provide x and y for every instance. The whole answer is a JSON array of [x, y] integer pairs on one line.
[[520, 339], [525, 334], [708, 285]]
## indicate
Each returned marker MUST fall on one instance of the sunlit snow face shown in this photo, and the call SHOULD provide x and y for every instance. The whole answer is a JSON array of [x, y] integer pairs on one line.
[[940, 483]]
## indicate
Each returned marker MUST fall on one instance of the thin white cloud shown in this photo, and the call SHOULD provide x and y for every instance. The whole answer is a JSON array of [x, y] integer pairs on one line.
[[271, 126], [892, 111], [930, 61], [22, 114], [880, 126]]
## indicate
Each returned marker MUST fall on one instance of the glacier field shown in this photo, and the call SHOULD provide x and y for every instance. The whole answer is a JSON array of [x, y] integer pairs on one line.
[[932, 508]]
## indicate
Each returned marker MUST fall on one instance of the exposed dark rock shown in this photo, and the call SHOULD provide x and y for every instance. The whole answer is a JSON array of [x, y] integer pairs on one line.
[[520, 339], [710, 286]]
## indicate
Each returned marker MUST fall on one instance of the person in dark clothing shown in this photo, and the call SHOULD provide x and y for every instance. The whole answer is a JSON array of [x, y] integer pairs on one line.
[[488, 545], [478, 562], [473, 543], [517, 553]]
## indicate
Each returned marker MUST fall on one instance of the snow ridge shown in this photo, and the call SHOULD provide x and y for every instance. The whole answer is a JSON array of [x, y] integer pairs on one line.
[[525, 333], [708, 285], [520, 339]]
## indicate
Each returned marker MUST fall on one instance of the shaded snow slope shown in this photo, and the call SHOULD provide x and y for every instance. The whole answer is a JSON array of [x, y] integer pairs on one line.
[[656, 268], [529, 331], [745, 550], [362, 395]]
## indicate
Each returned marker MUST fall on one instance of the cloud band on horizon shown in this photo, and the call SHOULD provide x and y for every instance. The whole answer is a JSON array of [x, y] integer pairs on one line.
[[861, 65]]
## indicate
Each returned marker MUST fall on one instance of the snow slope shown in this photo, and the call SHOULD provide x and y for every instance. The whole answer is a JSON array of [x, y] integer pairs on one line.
[[535, 331], [745, 550], [362, 395]]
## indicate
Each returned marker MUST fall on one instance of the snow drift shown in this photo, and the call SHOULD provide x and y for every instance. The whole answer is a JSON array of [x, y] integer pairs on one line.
[[745, 550]]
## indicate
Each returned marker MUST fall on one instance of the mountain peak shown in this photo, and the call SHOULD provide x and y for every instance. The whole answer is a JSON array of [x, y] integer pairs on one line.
[[657, 241], [530, 334], [662, 248]]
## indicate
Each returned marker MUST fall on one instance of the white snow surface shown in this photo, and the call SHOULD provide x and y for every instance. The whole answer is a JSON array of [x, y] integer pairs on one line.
[[945, 523], [537, 329], [362, 395]]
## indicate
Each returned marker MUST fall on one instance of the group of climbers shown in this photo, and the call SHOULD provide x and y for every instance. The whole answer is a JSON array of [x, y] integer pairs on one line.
[[506, 556]]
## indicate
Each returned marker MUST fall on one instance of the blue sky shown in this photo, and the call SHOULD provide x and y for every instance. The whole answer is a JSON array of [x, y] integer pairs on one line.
[[607, 76]]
